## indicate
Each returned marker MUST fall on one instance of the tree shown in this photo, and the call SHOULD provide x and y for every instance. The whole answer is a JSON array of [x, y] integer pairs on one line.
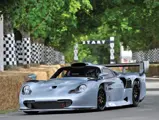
[[136, 23], [6, 6], [62, 23], [132, 22]]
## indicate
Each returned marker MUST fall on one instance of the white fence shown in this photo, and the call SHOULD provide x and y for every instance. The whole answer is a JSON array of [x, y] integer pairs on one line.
[[151, 55], [24, 52]]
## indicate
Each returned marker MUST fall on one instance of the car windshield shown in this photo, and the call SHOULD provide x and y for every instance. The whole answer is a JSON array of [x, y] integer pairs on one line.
[[86, 71]]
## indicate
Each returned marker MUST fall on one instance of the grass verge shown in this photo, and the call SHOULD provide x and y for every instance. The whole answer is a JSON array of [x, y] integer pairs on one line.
[[7, 111]]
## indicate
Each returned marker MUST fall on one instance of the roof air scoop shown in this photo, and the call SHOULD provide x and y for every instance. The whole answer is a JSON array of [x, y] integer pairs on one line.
[[79, 64]]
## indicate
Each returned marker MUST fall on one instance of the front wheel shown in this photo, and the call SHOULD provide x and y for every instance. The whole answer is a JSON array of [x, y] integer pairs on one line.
[[101, 99], [136, 93]]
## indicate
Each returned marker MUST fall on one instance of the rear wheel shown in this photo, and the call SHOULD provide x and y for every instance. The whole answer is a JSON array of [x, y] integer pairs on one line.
[[31, 112], [101, 99], [136, 93]]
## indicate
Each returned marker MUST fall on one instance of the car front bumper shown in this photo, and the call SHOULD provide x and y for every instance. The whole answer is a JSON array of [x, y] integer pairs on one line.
[[28, 104], [63, 109]]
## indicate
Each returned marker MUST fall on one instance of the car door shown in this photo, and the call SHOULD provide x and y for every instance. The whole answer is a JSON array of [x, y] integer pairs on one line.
[[115, 87]]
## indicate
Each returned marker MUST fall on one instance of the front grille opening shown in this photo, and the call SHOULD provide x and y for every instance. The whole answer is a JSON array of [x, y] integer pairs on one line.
[[48, 104]]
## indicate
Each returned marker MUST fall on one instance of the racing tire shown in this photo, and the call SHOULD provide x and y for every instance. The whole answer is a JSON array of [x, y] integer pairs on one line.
[[101, 99], [136, 93], [31, 112]]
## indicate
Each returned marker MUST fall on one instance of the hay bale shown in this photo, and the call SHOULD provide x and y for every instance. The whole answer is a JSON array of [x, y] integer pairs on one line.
[[43, 72], [118, 69], [153, 70], [56, 66], [51, 69], [48, 72], [41, 75], [10, 87], [12, 80]]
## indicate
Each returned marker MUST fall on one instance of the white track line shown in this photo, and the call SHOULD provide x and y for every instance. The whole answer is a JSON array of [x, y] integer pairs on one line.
[[152, 78]]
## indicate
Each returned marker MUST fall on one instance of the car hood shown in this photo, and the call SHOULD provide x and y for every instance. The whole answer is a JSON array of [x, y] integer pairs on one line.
[[56, 86], [65, 81]]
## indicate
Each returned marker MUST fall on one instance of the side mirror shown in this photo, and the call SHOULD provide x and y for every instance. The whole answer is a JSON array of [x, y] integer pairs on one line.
[[102, 75]]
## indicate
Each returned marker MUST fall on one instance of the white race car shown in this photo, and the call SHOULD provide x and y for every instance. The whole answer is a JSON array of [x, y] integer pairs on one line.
[[84, 86]]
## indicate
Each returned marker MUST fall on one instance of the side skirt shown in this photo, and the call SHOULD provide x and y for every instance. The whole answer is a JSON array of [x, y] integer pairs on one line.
[[117, 103], [127, 99]]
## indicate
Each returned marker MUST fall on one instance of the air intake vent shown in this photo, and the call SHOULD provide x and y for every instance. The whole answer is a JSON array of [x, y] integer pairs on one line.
[[78, 64], [53, 87]]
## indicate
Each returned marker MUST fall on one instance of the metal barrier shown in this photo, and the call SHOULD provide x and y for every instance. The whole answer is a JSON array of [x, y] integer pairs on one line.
[[151, 55]]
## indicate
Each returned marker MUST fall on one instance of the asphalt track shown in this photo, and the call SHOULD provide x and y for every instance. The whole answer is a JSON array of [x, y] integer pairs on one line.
[[147, 110]]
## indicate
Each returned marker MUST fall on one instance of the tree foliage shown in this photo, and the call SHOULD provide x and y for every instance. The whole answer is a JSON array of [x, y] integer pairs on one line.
[[132, 22], [136, 23], [62, 23]]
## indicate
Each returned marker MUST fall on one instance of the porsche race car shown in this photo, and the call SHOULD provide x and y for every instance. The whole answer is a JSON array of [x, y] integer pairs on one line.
[[84, 86]]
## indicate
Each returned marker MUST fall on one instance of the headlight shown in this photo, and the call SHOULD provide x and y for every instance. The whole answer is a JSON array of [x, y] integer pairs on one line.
[[79, 89], [82, 88], [26, 90]]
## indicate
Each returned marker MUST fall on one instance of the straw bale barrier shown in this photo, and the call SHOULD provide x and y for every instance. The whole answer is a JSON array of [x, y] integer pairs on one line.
[[153, 70], [12, 80], [10, 85]]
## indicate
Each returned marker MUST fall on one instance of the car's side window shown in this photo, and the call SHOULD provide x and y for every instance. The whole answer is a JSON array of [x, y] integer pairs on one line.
[[108, 72], [62, 74]]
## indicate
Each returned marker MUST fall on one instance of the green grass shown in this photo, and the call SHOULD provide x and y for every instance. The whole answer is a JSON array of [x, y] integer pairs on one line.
[[7, 111]]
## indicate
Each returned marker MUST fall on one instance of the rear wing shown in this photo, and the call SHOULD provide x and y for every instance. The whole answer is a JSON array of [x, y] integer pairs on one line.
[[143, 66]]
